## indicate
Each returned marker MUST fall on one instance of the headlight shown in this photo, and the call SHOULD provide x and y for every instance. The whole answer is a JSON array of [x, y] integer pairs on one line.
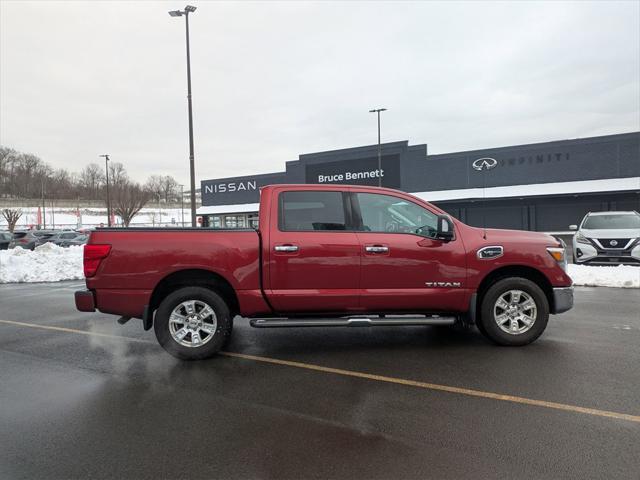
[[559, 255], [580, 238]]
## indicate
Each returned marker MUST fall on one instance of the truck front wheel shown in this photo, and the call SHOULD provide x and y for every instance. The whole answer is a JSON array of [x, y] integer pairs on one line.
[[193, 323], [514, 312]]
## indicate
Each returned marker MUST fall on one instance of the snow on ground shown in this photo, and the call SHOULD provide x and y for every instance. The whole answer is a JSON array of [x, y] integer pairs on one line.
[[50, 263], [65, 217], [47, 263], [623, 276]]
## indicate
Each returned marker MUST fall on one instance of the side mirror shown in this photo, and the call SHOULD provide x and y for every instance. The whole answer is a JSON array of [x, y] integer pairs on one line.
[[573, 227], [445, 228]]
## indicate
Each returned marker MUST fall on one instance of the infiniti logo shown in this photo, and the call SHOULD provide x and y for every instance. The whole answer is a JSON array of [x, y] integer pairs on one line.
[[484, 164]]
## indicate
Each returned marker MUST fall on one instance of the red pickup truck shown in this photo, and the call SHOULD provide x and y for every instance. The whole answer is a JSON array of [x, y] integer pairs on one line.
[[327, 255]]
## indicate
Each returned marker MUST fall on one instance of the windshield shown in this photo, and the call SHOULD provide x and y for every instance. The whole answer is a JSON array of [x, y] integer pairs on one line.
[[613, 221]]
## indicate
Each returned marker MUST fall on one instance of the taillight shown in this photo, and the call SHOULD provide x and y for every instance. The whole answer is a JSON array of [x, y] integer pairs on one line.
[[24, 240], [93, 255]]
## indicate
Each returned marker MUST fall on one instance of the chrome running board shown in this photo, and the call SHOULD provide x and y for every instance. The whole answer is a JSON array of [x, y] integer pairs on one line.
[[386, 321]]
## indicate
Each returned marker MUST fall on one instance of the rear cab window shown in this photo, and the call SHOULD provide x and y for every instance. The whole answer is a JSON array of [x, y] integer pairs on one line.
[[305, 211]]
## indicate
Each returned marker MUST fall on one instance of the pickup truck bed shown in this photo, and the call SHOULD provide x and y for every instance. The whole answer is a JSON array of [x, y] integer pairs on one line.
[[142, 260]]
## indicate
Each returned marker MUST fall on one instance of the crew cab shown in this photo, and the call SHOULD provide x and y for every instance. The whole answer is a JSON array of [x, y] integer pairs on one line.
[[327, 255]]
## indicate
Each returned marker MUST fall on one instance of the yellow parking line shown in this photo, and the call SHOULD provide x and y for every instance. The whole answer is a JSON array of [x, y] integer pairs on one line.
[[72, 330], [378, 378]]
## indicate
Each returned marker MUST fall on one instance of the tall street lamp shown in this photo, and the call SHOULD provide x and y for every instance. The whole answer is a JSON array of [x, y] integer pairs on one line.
[[106, 168], [179, 13], [378, 110]]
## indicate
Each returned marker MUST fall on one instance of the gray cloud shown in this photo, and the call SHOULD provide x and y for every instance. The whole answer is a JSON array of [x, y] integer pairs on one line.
[[272, 80]]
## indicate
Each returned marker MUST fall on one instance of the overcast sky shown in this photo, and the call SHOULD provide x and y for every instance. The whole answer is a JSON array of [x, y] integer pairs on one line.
[[272, 80]]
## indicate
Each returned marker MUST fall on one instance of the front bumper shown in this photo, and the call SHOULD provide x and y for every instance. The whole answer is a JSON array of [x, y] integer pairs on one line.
[[562, 299], [85, 301], [593, 254]]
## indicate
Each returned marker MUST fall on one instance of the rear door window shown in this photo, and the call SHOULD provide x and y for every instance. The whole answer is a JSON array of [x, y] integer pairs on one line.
[[311, 210]]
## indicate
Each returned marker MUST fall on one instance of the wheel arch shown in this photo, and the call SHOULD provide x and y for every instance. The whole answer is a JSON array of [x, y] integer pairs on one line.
[[195, 278], [509, 271]]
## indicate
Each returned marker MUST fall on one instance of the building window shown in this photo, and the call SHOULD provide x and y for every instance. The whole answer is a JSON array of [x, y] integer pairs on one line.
[[230, 221], [214, 221]]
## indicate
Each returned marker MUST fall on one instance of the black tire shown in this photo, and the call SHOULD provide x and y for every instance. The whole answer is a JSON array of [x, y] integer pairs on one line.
[[210, 346], [488, 325]]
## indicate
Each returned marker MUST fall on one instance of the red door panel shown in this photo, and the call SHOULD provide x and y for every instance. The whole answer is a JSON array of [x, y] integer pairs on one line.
[[314, 271], [403, 276]]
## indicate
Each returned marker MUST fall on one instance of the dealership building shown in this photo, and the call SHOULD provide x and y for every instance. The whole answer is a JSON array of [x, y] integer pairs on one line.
[[542, 186]]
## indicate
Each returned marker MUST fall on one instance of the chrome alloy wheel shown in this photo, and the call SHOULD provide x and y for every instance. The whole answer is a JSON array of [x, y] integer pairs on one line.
[[515, 312], [192, 323]]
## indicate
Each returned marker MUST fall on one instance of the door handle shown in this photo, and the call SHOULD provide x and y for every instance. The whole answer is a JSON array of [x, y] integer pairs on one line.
[[286, 248], [376, 249]]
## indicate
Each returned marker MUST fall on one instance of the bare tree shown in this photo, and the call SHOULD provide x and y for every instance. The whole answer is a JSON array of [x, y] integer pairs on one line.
[[169, 187], [91, 178], [155, 185], [128, 199], [12, 216], [117, 175]]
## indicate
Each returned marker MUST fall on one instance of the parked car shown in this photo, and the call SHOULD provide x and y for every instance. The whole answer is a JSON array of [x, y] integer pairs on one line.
[[605, 238], [25, 239], [77, 240], [5, 239], [327, 255], [43, 235], [59, 238]]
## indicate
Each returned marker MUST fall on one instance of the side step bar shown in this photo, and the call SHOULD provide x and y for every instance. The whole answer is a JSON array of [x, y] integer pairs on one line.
[[386, 321]]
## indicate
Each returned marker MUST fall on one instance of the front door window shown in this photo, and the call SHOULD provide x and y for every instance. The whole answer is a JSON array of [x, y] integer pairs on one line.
[[385, 213]]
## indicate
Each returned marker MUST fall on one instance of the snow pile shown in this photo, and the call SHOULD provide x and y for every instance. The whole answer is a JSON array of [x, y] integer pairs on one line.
[[624, 276], [47, 263]]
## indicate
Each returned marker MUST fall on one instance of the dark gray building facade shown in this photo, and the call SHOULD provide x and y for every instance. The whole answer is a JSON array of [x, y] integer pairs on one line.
[[542, 186]]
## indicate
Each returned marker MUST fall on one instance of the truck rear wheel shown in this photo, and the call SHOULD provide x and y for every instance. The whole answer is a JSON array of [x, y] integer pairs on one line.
[[514, 312], [193, 323]]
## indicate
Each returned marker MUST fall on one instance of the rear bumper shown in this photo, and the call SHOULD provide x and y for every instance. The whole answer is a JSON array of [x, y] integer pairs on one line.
[[562, 299], [85, 301]]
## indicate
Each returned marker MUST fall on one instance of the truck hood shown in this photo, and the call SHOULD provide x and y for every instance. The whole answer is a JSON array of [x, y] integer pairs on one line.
[[496, 235], [611, 233]]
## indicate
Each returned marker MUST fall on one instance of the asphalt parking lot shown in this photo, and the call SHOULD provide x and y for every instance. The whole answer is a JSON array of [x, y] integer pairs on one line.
[[83, 397]]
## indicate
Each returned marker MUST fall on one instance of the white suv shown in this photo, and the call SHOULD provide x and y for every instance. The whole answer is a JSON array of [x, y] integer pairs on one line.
[[606, 238]]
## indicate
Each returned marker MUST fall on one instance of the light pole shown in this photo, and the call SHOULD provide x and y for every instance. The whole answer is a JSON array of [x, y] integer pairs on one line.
[[44, 210], [378, 110], [179, 13], [182, 202], [106, 168]]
